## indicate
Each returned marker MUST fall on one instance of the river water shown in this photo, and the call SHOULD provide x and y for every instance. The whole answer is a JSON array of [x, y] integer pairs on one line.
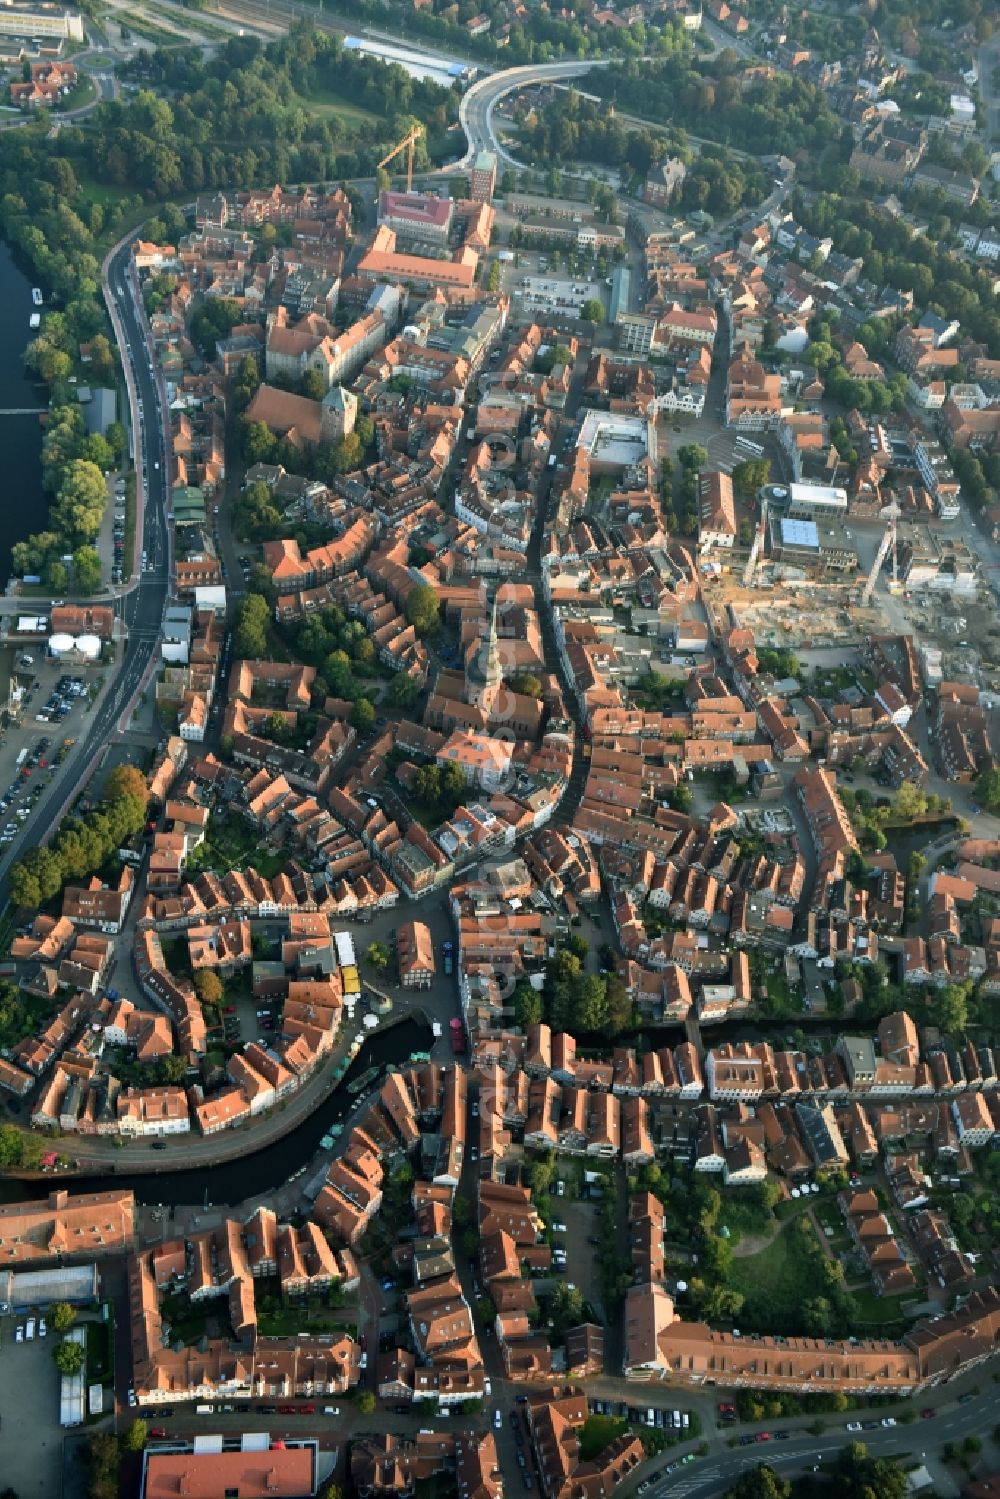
[[252, 1173], [23, 505]]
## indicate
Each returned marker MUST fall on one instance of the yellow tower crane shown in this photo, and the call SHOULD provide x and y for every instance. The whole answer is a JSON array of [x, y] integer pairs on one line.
[[406, 144]]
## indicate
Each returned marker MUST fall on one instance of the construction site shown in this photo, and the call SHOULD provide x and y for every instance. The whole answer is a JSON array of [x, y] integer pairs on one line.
[[905, 578]]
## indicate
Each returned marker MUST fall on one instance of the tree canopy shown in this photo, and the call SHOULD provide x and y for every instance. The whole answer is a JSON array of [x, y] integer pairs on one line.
[[423, 609], [250, 635], [80, 846], [69, 1357]]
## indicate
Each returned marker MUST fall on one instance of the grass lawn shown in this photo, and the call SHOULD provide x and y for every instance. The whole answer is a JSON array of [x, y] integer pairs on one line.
[[742, 1218], [104, 193], [326, 102], [291, 1320], [83, 92], [596, 1432], [775, 1282], [882, 1311], [270, 862], [232, 843], [829, 1215]]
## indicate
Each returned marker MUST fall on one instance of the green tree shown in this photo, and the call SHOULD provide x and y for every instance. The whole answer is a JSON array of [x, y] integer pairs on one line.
[[988, 790], [423, 609], [950, 1007], [55, 575], [909, 802], [86, 570], [760, 1483], [69, 1357], [527, 684], [257, 442], [566, 1307], [312, 385], [861, 1476], [750, 475], [363, 715], [171, 1069], [62, 1316], [366, 1403], [208, 986], [136, 1435], [592, 310], [125, 780], [96, 449], [80, 502], [25, 889], [378, 955], [250, 636], [528, 1005], [403, 692]]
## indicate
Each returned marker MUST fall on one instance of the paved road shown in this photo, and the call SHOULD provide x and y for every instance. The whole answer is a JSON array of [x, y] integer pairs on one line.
[[475, 112], [105, 84], [987, 60], [141, 604], [803, 1451]]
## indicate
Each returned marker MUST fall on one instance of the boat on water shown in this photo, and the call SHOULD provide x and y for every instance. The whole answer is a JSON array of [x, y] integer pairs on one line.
[[364, 1081], [36, 295], [326, 1142], [35, 320], [420, 1056]]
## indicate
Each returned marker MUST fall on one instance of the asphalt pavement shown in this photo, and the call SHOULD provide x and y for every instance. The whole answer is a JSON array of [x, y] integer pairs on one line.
[[141, 603]]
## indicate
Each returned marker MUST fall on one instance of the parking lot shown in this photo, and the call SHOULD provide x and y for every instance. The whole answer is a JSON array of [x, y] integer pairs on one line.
[[30, 1436], [35, 762], [580, 1243], [539, 283], [118, 569], [32, 746]]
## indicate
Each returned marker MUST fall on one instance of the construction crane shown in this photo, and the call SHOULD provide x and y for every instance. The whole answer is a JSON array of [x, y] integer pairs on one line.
[[407, 144], [758, 543], [890, 514]]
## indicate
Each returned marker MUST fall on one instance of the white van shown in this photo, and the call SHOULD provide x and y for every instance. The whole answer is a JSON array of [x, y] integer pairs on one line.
[[29, 1331]]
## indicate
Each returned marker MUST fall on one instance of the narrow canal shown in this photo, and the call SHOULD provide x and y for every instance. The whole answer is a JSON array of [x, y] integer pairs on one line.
[[255, 1172]]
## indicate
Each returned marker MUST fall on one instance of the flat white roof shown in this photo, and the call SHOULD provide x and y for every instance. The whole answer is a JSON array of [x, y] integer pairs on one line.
[[800, 533], [829, 495]]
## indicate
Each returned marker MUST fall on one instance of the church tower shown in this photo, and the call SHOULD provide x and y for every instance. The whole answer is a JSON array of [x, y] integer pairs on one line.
[[485, 676]]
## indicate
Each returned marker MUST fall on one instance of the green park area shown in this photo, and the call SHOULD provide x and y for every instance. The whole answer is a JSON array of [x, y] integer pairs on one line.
[[777, 1280], [327, 104]]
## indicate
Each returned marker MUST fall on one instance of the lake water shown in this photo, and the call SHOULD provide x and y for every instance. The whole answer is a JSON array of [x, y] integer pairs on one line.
[[23, 506]]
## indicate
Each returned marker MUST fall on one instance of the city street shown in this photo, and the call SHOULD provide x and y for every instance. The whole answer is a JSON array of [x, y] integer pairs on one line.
[[140, 603]]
